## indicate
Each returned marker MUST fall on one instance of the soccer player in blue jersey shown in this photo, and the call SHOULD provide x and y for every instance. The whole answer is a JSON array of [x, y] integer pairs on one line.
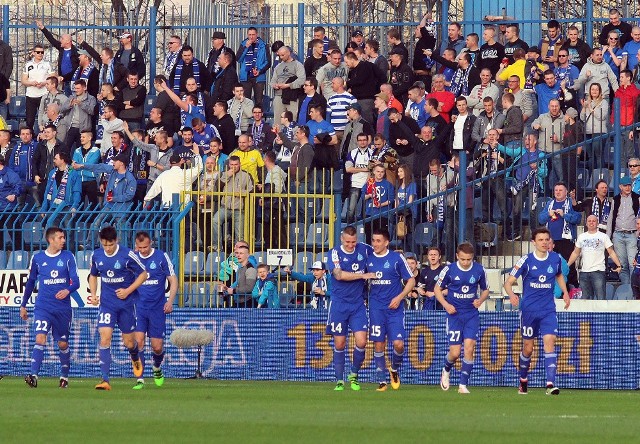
[[462, 279], [56, 272], [392, 283], [152, 306], [347, 310], [121, 273], [540, 270]]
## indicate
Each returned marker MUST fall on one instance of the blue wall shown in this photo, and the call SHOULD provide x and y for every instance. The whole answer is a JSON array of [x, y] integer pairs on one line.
[[596, 350]]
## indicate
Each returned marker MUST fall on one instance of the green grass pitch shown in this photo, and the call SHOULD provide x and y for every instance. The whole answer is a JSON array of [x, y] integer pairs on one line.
[[208, 411]]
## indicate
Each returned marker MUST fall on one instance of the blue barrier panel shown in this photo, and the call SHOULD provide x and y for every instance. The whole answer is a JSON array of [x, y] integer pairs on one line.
[[595, 350]]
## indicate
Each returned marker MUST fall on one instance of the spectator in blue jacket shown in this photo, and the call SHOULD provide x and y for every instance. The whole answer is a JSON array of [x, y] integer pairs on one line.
[[10, 189], [21, 163], [265, 290], [254, 60], [64, 191], [320, 290], [88, 153]]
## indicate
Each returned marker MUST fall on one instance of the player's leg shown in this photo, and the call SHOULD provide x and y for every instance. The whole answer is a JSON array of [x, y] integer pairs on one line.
[[127, 324], [470, 335], [140, 334], [454, 336], [548, 331], [359, 325], [396, 332], [106, 333], [61, 330], [337, 326], [467, 365], [41, 325], [377, 334], [529, 329], [156, 332]]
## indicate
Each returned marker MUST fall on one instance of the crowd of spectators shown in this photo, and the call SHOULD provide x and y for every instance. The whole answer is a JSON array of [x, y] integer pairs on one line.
[[395, 125]]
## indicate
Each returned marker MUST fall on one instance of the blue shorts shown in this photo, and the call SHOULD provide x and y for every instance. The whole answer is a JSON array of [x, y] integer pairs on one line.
[[344, 317], [125, 318], [463, 325], [59, 322], [538, 323], [388, 323], [152, 322]]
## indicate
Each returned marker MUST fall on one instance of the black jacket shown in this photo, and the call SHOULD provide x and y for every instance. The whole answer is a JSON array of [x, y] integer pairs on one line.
[[187, 71], [42, 163], [227, 129], [6, 59], [75, 61], [364, 80], [212, 60], [401, 79], [223, 84], [135, 62], [406, 129], [119, 70]]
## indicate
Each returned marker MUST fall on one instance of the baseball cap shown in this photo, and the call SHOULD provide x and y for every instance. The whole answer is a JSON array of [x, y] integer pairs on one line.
[[626, 180], [318, 265], [571, 112], [121, 158], [534, 49], [218, 35], [355, 106], [125, 35], [84, 53], [357, 33], [383, 96]]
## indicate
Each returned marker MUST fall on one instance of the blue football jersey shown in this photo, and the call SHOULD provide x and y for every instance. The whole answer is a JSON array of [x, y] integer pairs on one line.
[[390, 269], [53, 273], [351, 292], [538, 280], [463, 284], [117, 271], [159, 268]]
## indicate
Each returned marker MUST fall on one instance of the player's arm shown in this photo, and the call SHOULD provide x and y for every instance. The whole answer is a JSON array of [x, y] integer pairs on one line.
[[563, 286], [28, 290], [93, 289], [74, 280], [173, 290], [483, 297], [123, 293], [408, 286], [347, 276], [574, 255], [508, 286], [438, 292]]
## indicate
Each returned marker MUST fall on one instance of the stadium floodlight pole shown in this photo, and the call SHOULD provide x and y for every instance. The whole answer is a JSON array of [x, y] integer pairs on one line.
[[588, 9], [617, 144]]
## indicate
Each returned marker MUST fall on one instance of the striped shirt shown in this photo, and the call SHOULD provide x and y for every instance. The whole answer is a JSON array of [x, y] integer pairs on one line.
[[337, 106]]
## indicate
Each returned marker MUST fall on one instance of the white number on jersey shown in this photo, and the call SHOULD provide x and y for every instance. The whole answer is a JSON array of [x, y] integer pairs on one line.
[[527, 331], [42, 326], [336, 328], [454, 336], [375, 330], [105, 318]]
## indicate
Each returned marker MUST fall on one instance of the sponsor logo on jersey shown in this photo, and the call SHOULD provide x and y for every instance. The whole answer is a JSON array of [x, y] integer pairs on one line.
[[355, 267], [542, 278], [379, 274], [110, 273], [54, 273]]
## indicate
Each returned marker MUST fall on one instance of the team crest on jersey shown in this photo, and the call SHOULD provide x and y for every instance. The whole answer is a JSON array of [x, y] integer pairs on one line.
[[472, 280], [550, 269], [360, 257], [60, 263], [153, 265], [54, 273], [355, 267], [542, 278], [387, 265], [379, 274], [110, 273], [117, 265], [465, 289]]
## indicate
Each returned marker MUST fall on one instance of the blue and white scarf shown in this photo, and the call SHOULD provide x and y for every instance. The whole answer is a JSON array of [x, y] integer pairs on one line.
[[62, 188], [82, 74], [606, 209], [566, 207], [178, 75], [106, 73], [170, 61]]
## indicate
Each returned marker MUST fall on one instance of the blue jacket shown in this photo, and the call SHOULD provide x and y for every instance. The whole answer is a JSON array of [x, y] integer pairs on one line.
[[92, 157], [263, 61], [123, 189], [22, 161], [10, 183], [572, 217], [309, 279], [269, 294], [72, 195], [516, 153]]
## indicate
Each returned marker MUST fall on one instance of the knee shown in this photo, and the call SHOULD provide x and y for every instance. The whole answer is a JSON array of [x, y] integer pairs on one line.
[[157, 349], [454, 354], [398, 346], [63, 345]]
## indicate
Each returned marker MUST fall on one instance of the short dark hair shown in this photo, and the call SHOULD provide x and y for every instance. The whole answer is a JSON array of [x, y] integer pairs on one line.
[[64, 156], [312, 80], [318, 107], [142, 235], [433, 102], [119, 134], [234, 159], [159, 78], [51, 231], [54, 80], [319, 29], [374, 44], [304, 129], [382, 232], [108, 233], [394, 33], [350, 230], [270, 155], [24, 127], [540, 230], [289, 115], [187, 129], [223, 104], [187, 48], [553, 24], [81, 82], [465, 248], [261, 266]]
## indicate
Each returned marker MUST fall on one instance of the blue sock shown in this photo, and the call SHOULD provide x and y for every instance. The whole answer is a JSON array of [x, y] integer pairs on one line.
[[141, 356], [358, 359], [550, 364], [338, 363], [135, 354], [157, 359], [465, 372], [105, 362], [524, 363], [447, 363], [65, 362], [396, 360], [378, 358], [37, 357]]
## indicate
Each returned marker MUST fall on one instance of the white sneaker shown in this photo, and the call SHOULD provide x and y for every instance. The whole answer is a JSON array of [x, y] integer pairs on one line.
[[463, 390], [444, 380]]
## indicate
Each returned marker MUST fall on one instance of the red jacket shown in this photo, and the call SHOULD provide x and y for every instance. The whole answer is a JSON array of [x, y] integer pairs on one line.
[[628, 96]]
